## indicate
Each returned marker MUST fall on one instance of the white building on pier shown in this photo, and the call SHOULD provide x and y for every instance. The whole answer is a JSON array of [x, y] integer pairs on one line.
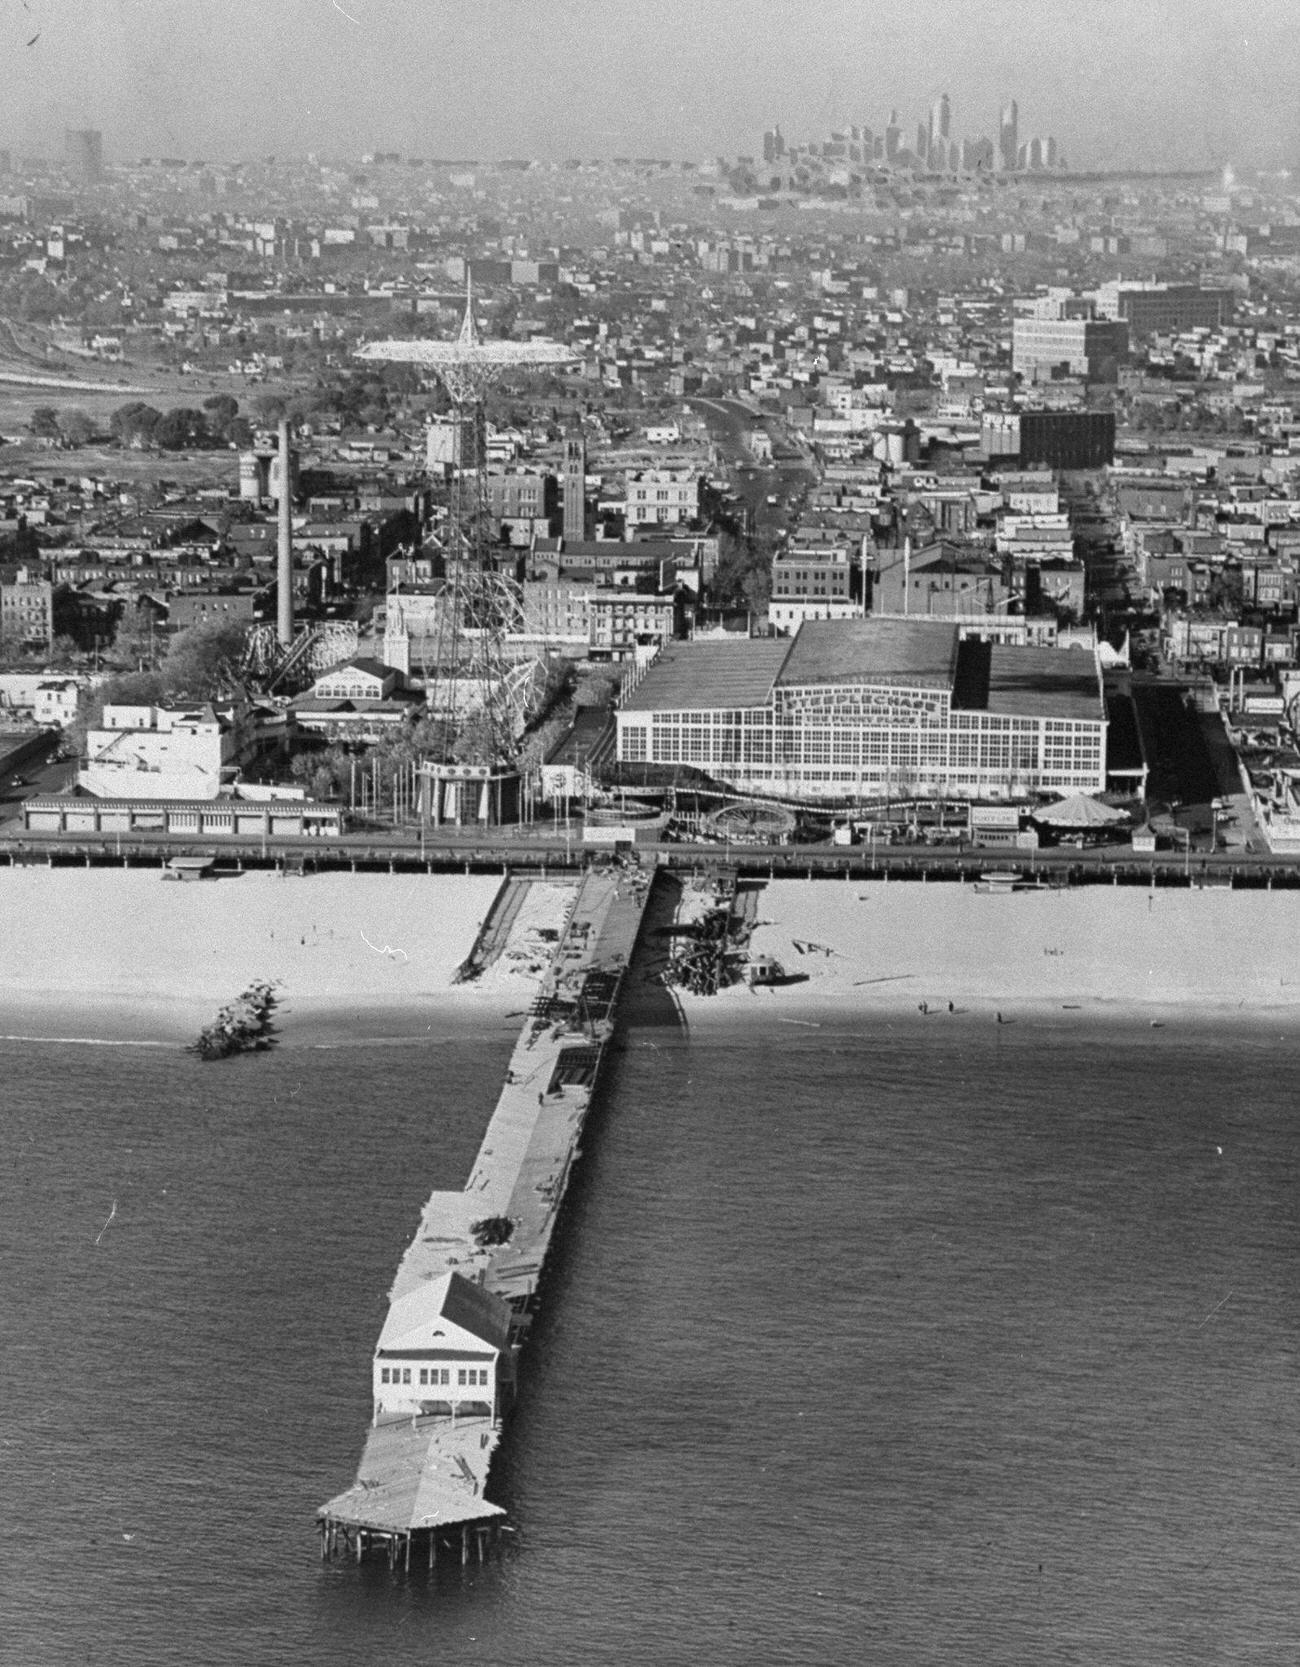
[[444, 1349]]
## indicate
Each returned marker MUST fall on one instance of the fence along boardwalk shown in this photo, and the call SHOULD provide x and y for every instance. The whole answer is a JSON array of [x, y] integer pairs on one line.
[[426, 1475]]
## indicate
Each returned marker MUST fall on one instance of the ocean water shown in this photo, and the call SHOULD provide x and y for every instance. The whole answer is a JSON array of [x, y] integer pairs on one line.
[[928, 1341]]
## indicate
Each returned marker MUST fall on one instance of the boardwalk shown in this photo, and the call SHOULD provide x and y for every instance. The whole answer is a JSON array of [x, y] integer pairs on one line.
[[428, 1473]]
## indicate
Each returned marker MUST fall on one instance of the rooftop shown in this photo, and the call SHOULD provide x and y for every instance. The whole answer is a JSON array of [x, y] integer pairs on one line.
[[1027, 682], [916, 652], [702, 676]]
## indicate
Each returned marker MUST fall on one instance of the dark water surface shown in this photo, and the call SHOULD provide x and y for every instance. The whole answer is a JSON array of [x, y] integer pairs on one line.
[[932, 1342]]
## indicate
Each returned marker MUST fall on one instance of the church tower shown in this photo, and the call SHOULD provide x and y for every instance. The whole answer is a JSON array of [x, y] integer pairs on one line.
[[575, 489]]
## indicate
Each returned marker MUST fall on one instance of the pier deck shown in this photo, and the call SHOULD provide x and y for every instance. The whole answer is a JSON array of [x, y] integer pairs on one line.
[[424, 1474]]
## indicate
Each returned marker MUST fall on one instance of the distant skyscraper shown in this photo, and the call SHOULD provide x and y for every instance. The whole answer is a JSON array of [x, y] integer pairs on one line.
[[83, 151], [1009, 135], [940, 118], [934, 150]]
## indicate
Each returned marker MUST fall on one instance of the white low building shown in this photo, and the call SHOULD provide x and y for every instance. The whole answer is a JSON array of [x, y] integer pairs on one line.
[[445, 1348], [362, 698], [50, 698], [158, 752], [658, 497]]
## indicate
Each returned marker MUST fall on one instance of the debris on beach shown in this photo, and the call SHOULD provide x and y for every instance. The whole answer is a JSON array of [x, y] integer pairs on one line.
[[711, 940], [243, 1026]]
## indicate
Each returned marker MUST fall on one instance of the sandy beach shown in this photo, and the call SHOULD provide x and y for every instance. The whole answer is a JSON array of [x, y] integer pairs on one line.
[[100, 952], [84, 950], [881, 947]]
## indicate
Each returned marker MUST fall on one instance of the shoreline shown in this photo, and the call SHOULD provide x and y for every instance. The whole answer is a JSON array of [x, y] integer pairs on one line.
[[883, 950], [113, 955]]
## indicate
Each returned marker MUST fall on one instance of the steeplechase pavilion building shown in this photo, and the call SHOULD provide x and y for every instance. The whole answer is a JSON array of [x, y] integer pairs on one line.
[[873, 707]]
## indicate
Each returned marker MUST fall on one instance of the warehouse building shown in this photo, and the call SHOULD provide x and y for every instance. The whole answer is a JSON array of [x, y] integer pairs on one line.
[[858, 708]]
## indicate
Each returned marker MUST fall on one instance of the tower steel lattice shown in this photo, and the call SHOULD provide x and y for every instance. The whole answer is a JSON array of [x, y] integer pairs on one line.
[[473, 675]]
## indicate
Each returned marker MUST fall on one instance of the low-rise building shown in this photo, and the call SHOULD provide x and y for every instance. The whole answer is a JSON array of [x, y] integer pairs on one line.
[[159, 752], [662, 497], [228, 816], [527, 500], [27, 610], [444, 1348], [1047, 348], [623, 624], [942, 580], [814, 581], [360, 698]]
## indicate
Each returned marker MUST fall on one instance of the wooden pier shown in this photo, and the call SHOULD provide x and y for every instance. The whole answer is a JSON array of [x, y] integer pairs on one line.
[[424, 1477]]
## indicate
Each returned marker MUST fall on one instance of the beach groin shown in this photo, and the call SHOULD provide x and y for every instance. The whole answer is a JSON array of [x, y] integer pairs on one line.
[[469, 1278], [242, 1026]]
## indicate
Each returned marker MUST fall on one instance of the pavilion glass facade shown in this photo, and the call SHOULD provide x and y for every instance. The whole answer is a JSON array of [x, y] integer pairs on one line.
[[840, 740]]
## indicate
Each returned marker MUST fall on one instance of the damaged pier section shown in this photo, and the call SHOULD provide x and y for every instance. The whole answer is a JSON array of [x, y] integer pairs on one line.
[[465, 1291]]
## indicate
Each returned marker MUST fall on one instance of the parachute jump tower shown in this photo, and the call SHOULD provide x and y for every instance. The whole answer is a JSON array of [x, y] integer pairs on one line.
[[479, 606]]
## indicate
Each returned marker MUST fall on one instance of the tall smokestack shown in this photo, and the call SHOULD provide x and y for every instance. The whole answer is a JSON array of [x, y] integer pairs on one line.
[[284, 551]]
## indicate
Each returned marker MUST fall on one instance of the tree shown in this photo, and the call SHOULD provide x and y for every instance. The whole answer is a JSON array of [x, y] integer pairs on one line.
[[133, 424], [475, 742], [269, 408], [136, 640], [222, 411], [743, 578], [205, 662], [322, 773], [39, 300], [75, 427], [45, 422], [181, 429]]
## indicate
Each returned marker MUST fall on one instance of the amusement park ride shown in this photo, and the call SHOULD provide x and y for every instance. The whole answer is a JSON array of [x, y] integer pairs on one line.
[[471, 672]]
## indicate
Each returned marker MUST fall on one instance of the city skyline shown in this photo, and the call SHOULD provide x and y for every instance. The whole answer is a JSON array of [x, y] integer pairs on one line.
[[228, 82], [938, 147]]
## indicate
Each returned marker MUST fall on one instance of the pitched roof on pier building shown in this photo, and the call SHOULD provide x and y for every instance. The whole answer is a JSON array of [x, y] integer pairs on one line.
[[445, 1316]]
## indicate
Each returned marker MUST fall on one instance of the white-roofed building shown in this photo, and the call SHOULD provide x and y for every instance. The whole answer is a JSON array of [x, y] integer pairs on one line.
[[445, 1347], [159, 752]]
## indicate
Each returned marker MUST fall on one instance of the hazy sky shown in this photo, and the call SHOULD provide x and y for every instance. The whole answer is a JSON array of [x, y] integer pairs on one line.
[[1120, 82]]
